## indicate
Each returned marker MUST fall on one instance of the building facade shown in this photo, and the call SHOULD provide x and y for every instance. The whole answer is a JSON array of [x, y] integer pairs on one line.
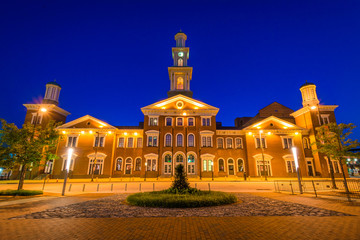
[[183, 130]]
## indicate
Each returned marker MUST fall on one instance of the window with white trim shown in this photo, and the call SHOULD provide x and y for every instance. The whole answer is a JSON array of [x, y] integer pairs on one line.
[[191, 122], [72, 141], [168, 141], [179, 140], [240, 163], [168, 121], [206, 121], [287, 142], [179, 121], [220, 142], [118, 166], [206, 141], [167, 164], [263, 142], [290, 166], [139, 142], [36, 118], [153, 121], [130, 142], [221, 165], [191, 140], [121, 142], [208, 165], [99, 141], [138, 164], [238, 143], [229, 143], [152, 141], [306, 143], [151, 165]]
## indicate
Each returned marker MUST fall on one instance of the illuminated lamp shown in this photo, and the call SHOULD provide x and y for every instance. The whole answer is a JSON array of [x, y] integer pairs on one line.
[[63, 132], [109, 132], [184, 113], [250, 133], [296, 133], [82, 132], [313, 107], [135, 133], [269, 133], [90, 132], [125, 133], [43, 109]]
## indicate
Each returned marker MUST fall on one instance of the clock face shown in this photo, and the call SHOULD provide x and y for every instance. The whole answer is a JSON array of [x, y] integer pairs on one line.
[[180, 54]]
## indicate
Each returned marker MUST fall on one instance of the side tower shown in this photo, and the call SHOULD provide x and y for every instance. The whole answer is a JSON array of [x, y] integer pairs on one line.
[[180, 74], [48, 109], [310, 116]]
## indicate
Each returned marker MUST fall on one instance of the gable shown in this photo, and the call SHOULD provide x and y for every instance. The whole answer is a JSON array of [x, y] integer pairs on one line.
[[273, 122], [86, 122], [275, 109]]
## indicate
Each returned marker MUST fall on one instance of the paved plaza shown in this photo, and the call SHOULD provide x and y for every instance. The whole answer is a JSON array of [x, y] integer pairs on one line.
[[258, 215]]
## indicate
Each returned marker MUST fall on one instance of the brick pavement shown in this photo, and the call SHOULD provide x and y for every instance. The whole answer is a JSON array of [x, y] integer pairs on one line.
[[296, 227]]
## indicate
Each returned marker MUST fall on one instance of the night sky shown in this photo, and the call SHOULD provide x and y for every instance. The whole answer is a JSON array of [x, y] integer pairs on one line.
[[111, 57]]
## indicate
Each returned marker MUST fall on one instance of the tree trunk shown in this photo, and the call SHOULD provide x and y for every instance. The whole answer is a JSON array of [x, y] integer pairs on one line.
[[22, 177], [345, 181], [332, 173]]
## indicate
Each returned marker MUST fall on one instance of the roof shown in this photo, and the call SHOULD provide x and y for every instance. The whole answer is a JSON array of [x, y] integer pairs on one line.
[[54, 83], [307, 84]]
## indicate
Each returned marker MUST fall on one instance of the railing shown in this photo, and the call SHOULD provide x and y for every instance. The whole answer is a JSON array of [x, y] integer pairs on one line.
[[321, 187]]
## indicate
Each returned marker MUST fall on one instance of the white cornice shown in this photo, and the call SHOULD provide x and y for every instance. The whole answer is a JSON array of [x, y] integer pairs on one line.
[[85, 118], [49, 107], [308, 109], [230, 132]]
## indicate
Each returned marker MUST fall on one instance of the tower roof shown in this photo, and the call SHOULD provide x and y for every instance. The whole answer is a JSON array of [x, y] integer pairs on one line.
[[307, 84], [54, 83]]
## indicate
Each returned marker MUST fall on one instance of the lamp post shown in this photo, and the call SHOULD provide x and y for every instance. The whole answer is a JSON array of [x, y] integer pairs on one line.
[[297, 167], [262, 155], [94, 162], [70, 152], [212, 170], [145, 169]]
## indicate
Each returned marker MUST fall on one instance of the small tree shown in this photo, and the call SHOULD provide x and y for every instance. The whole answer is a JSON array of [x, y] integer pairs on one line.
[[180, 182], [333, 141], [27, 146]]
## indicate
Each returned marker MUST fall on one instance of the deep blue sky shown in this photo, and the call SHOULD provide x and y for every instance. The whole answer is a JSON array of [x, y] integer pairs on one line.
[[111, 57]]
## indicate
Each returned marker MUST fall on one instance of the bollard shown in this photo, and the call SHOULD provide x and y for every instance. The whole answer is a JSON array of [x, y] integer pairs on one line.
[[70, 187], [153, 186], [125, 187], [112, 187], [292, 191], [84, 187], [98, 187], [209, 186], [314, 187], [139, 187]]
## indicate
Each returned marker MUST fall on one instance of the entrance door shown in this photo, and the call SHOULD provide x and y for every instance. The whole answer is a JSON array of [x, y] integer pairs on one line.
[[231, 166], [310, 168], [128, 166]]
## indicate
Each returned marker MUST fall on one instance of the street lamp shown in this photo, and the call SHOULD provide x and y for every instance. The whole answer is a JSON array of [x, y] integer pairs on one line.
[[262, 155], [96, 149], [145, 170], [70, 152], [297, 167]]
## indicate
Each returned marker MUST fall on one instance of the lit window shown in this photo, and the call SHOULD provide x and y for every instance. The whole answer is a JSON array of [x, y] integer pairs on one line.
[[205, 168], [138, 164], [180, 62], [151, 165], [121, 142], [153, 121], [240, 165], [130, 142], [179, 140], [306, 143], [229, 143], [119, 164], [180, 83], [191, 140], [221, 165], [238, 143]]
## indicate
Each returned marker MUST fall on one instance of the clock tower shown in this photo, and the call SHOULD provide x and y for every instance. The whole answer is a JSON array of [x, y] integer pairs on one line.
[[180, 74]]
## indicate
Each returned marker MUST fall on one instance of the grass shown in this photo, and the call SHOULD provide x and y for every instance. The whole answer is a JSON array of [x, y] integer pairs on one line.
[[20, 192], [166, 199]]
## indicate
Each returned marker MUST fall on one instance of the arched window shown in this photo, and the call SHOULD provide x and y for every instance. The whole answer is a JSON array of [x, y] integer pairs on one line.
[[180, 62], [306, 143], [179, 159], [138, 164], [220, 143], [240, 165], [119, 164], [180, 83], [191, 158], [168, 140], [191, 140], [168, 158], [128, 163], [221, 165], [167, 165], [179, 140]]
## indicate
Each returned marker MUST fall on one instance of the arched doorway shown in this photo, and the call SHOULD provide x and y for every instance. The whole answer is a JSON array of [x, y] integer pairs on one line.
[[191, 164], [231, 167], [128, 164]]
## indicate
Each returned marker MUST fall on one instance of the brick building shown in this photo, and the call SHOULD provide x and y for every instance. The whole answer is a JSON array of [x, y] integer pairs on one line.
[[183, 130]]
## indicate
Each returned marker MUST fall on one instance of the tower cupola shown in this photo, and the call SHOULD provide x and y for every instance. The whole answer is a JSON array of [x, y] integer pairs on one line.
[[52, 93], [309, 96], [180, 74]]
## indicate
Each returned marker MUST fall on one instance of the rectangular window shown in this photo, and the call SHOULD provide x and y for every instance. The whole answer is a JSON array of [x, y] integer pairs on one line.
[[139, 142], [72, 141], [206, 121], [238, 142], [153, 121], [208, 141], [130, 143], [152, 141], [179, 122], [204, 165], [148, 166], [229, 143], [203, 140], [153, 165], [263, 145], [99, 141], [336, 166], [168, 121], [220, 143], [287, 143], [121, 142], [291, 166], [190, 122]]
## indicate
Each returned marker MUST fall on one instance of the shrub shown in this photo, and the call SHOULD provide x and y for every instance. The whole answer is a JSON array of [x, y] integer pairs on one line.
[[20, 192], [166, 199]]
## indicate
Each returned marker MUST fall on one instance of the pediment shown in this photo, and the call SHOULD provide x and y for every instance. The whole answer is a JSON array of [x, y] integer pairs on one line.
[[273, 123], [179, 102], [86, 122]]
